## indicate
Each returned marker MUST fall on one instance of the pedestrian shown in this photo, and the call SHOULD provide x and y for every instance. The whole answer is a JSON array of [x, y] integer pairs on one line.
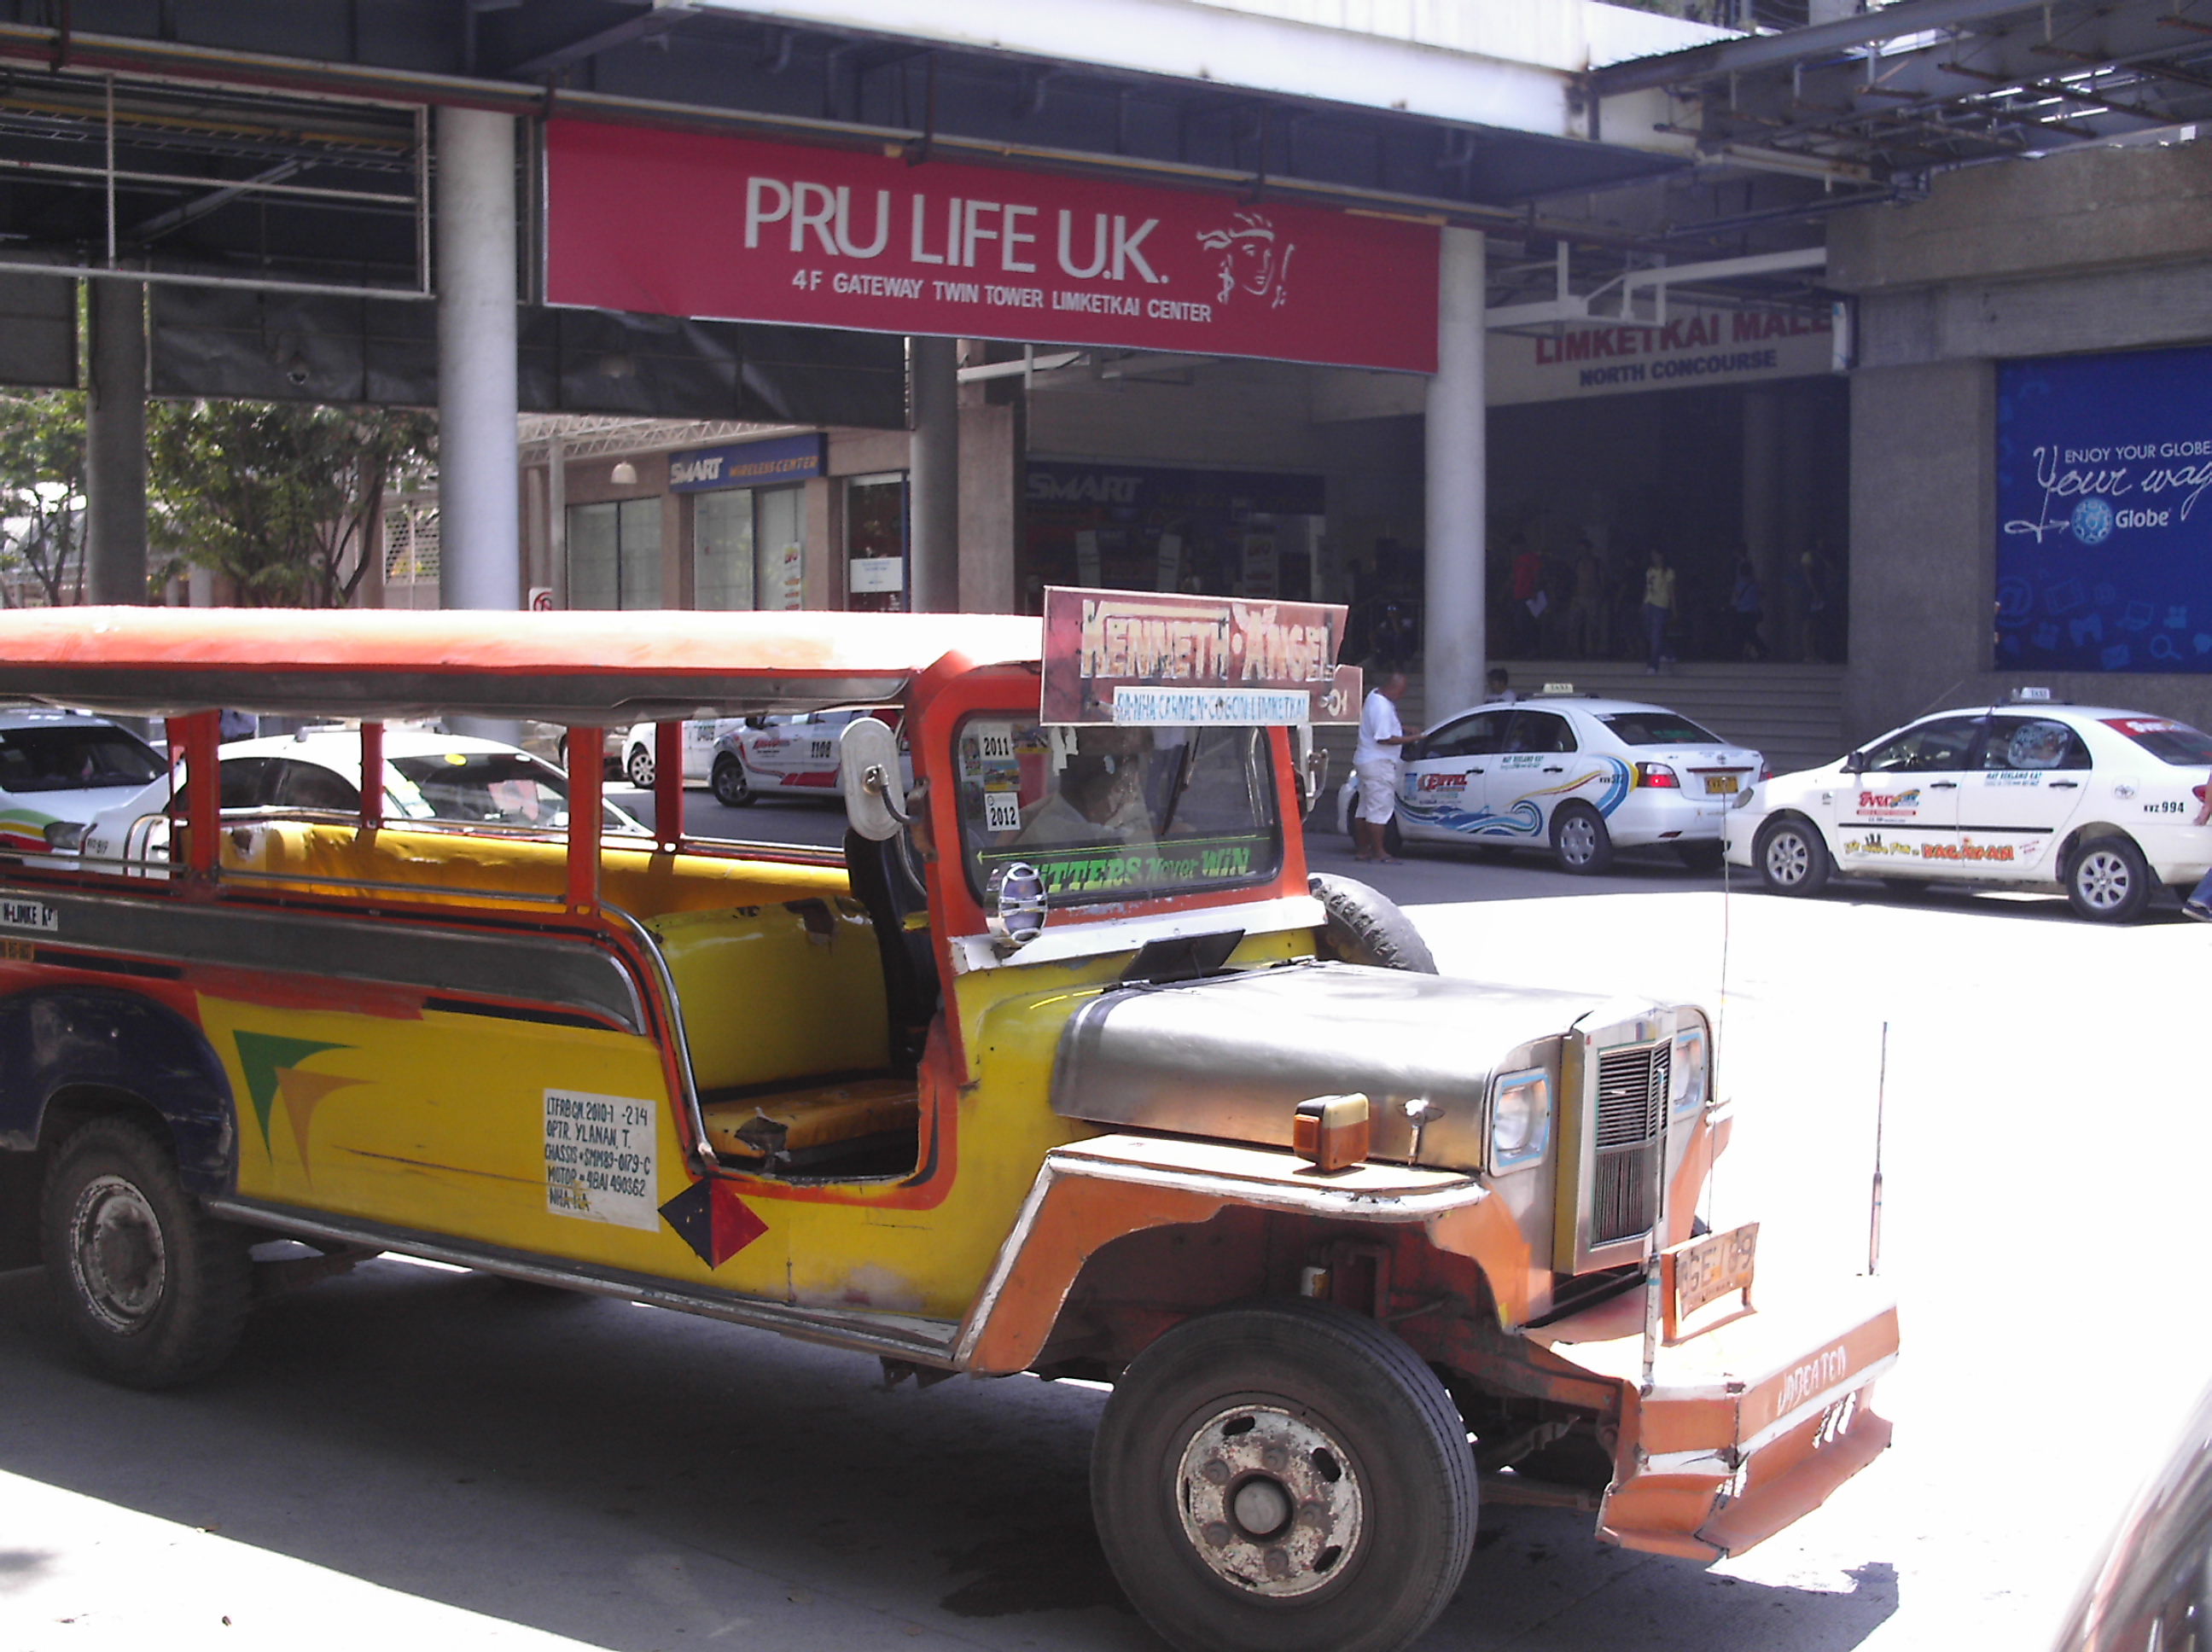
[[2199, 903], [1586, 626], [1501, 688], [1658, 610], [1817, 579], [1746, 610], [1375, 766], [1529, 601]]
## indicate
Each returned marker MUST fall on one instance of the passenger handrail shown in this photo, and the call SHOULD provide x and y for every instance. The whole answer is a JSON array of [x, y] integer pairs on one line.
[[702, 1149]]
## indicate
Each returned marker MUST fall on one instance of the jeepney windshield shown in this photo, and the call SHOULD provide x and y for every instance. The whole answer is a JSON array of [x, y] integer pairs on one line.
[[1108, 814]]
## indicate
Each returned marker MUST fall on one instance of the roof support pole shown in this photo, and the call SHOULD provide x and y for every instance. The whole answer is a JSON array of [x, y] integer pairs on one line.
[[115, 443], [202, 735], [1455, 648], [586, 823], [371, 775], [668, 785], [480, 524], [933, 394]]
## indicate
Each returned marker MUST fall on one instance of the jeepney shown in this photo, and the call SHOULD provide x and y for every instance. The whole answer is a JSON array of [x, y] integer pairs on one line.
[[1064, 1065]]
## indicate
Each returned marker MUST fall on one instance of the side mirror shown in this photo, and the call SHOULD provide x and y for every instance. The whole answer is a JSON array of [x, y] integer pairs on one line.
[[1855, 763], [867, 763]]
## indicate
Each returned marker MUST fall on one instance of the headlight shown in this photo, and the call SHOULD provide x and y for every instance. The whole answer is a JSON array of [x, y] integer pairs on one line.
[[65, 834], [1686, 1082], [1519, 1121]]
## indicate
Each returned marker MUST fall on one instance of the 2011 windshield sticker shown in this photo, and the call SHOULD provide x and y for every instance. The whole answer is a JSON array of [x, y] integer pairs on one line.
[[29, 914], [600, 1159]]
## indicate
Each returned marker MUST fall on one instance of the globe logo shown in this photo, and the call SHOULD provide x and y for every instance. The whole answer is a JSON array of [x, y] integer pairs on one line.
[[2092, 521]]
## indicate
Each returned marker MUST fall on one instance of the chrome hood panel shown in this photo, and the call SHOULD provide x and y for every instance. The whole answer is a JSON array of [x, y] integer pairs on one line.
[[1232, 1056]]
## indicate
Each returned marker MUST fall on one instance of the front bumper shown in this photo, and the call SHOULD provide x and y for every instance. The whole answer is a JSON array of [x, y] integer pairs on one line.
[[1745, 1427]]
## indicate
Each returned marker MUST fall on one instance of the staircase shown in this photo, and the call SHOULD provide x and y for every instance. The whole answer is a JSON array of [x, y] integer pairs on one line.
[[1792, 715]]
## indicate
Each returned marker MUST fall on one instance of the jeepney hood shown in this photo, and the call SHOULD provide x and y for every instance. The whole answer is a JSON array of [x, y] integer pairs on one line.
[[1232, 1056]]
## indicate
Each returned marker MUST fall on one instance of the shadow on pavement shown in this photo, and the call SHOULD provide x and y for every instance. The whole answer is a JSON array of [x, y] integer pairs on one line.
[[622, 1475]]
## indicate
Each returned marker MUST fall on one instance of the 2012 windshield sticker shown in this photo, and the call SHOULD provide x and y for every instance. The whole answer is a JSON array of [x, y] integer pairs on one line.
[[29, 914], [600, 1159]]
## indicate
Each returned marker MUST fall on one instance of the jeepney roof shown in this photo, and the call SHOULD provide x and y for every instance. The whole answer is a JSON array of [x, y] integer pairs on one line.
[[582, 669]]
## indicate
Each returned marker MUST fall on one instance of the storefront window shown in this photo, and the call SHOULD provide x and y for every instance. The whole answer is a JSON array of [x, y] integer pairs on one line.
[[614, 554], [876, 543], [749, 548]]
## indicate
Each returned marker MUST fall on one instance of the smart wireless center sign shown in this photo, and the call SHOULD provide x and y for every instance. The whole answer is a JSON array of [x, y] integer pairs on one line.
[[2104, 479], [684, 224]]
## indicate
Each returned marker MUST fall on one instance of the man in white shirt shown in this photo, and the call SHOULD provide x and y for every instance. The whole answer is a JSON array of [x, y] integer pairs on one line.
[[1375, 766]]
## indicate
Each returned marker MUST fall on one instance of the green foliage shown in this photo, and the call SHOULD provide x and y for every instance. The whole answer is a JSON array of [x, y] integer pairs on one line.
[[42, 490], [278, 496]]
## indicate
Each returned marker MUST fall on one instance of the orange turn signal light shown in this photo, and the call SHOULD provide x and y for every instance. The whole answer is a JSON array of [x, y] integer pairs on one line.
[[1332, 1132]]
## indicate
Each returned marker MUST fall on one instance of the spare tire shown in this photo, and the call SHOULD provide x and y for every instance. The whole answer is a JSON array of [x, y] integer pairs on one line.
[[1367, 927]]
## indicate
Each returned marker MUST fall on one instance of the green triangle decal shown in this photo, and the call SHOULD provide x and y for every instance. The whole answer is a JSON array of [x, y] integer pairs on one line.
[[263, 1056]]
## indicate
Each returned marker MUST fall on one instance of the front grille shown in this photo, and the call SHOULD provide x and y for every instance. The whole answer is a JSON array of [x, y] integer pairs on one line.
[[1631, 1112]]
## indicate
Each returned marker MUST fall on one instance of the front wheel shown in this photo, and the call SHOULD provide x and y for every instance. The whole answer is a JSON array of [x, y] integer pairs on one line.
[[2108, 881], [1580, 840], [640, 766], [1284, 1477], [154, 1290], [1790, 857], [732, 789]]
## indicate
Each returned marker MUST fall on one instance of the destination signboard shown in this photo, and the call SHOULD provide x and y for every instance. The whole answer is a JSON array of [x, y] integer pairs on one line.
[[1132, 657]]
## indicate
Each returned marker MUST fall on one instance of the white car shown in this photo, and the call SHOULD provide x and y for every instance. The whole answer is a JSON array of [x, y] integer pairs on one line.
[[428, 777], [742, 757], [2092, 800], [1584, 776], [58, 770]]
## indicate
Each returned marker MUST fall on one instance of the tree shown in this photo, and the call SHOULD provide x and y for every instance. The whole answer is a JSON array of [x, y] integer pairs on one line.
[[42, 491], [278, 496]]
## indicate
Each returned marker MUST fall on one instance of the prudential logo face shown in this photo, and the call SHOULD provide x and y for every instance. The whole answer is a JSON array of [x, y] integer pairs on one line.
[[2092, 521]]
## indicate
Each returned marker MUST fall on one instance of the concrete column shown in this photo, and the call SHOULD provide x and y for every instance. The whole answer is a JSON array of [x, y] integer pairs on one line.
[[990, 508], [115, 443], [933, 472], [1454, 643], [480, 563]]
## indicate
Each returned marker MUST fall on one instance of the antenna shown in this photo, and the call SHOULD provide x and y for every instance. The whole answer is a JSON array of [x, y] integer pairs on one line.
[[1873, 1212]]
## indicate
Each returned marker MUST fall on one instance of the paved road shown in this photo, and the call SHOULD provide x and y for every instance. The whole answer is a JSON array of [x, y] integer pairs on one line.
[[413, 1452]]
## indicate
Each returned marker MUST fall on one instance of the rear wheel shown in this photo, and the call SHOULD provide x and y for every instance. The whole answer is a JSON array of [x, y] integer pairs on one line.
[[1580, 840], [1790, 857], [732, 789], [1393, 840], [1284, 1477], [640, 766], [153, 1289], [2108, 881]]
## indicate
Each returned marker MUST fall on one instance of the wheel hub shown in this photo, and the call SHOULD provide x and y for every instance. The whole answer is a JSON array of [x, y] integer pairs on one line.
[[117, 1258], [2103, 880], [1269, 1501], [1786, 858], [1577, 839]]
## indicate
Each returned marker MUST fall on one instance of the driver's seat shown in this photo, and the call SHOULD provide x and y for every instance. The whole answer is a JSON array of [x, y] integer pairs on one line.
[[885, 881]]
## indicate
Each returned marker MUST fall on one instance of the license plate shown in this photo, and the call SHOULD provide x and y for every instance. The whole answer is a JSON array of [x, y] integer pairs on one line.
[[1719, 785], [1707, 1269]]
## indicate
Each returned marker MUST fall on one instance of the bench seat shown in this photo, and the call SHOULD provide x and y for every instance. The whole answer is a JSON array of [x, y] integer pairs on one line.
[[793, 1129]]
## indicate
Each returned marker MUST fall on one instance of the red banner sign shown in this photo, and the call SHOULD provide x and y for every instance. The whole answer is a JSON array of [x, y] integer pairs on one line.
[[1132, 657], [677, 223]]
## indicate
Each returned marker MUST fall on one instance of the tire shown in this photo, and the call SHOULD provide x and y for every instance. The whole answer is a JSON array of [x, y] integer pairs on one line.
[[153, 1289], [640, 768], [1700, 856], [1367, 927], [2108, 881], [732, 789], [1580, 840], [1349, 1419], [1393, 840], [1790, 857]]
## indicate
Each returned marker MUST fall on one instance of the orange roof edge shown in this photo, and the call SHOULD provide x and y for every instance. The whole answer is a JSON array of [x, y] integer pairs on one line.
[[581, 668]]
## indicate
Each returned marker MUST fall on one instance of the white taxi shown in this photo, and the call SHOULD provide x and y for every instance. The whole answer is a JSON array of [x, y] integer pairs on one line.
[[1584, 776], [741, 757], [2093, 800]]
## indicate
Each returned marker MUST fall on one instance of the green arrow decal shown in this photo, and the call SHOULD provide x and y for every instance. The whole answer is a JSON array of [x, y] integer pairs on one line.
[[263, 1056]]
